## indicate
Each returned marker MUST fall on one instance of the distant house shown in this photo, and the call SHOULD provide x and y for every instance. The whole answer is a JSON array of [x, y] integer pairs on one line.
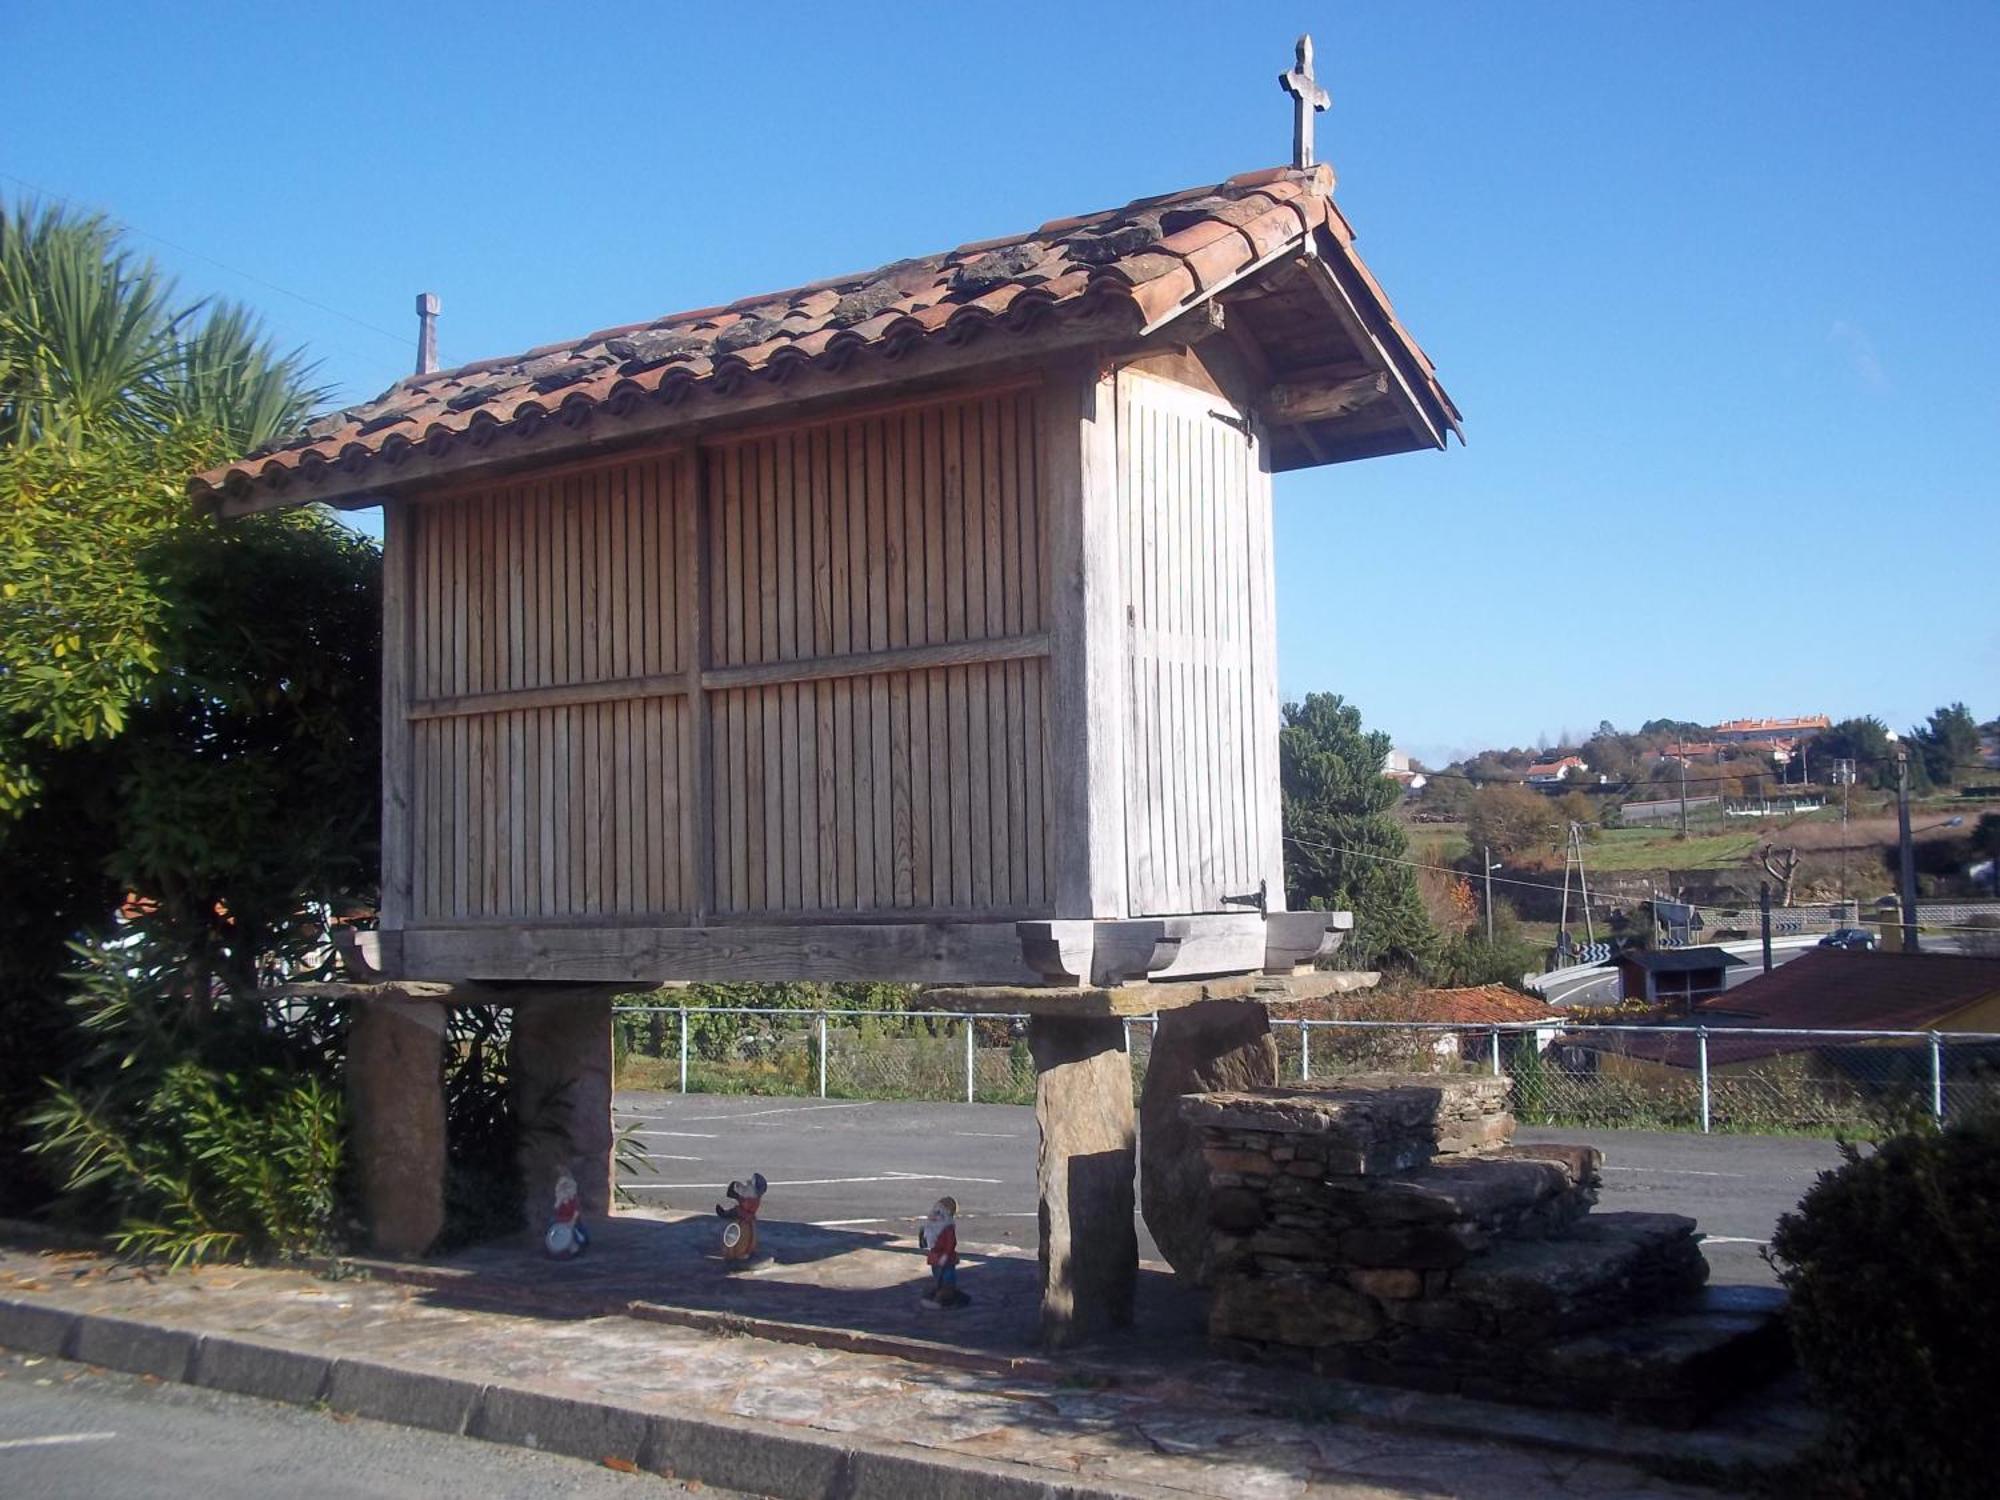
[[1668, 975], [1777, 1023], [1554, 772], [1737, 731], [1398, 767]]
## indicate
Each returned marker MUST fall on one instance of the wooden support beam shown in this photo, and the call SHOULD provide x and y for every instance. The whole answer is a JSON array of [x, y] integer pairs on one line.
[[1317, 401]]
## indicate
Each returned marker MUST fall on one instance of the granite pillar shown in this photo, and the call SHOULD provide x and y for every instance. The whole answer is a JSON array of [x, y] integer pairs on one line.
[[559, 1059], [1217, 1046], [395, 1102], [1089, 1245]]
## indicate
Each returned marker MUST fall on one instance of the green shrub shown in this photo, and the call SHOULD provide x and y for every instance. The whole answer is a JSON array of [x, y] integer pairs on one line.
[[1896, 1307], [194, 1128], [212, 1165]]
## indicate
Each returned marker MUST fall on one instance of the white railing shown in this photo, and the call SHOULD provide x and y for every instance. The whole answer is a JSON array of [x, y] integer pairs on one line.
[[1707, 1078]]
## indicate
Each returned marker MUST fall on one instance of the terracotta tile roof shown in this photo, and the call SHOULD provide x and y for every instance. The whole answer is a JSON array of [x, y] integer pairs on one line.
[[1482, 1005], [1147, 262], [1862, 991], [1823, 989], [1556, 767]]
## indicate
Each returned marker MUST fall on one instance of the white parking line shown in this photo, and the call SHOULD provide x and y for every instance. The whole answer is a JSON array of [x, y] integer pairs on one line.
[[751, 1114], [986, 1135], [1730, 1239], [1674, 1171], [56, 1440], [675, 1135]]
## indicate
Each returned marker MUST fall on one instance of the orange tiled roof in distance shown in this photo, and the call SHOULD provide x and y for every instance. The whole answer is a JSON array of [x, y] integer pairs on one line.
[[1149, 261], [1482, 1005]]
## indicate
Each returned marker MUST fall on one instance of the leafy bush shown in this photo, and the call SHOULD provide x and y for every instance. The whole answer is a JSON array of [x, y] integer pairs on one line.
[[196, 1131], [1889, 1262], [213, 1165]]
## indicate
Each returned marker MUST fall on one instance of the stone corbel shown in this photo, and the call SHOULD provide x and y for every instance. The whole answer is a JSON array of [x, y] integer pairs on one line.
[[1296, 940], [1058, 951]]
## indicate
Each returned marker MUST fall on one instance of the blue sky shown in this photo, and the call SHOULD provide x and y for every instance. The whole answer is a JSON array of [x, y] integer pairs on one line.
[[1712, 283]]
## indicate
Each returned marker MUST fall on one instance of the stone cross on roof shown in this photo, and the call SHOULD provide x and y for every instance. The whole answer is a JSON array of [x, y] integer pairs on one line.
[[427, 332], [1307, 99]]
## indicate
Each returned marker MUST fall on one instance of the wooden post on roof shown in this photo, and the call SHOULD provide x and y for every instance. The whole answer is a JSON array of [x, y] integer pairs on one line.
[[427, 333]]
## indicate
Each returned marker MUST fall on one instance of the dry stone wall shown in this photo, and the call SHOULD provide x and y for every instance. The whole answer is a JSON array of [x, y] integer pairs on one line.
[[1388, 1229]]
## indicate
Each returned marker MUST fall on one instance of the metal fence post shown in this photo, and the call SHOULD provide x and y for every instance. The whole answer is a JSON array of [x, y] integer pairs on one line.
[[970, 1071], [1305, 1050], [684, 1049], [1701, 1056], [822, 1054], [1496, 1051], [1937, 1076]]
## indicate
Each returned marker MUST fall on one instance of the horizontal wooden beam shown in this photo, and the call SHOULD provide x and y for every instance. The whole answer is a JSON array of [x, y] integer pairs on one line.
[[1313, 401], [896, 953], [873, 663], [757, 674], [569, 694]]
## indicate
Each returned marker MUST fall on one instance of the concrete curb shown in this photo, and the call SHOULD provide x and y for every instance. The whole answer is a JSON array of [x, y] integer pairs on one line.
[[739, 1454]]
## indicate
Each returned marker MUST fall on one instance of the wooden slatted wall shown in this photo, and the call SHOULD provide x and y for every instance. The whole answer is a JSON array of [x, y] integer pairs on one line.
[[912, 540], [866, 647], [548, 660], [1193, 507]]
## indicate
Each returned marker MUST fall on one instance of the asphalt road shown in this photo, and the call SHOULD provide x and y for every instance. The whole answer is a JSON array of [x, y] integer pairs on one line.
[[880, 1166], [70, 1433]]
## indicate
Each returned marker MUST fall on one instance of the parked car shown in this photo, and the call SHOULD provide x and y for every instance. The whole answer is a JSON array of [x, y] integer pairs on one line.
[[1858, 938]]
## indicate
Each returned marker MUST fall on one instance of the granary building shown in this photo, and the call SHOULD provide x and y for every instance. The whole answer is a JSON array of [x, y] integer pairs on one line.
[[914, 624]]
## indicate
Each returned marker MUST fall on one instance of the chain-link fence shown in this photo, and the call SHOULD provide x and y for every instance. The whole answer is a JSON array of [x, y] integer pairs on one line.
[[1738, 1078]]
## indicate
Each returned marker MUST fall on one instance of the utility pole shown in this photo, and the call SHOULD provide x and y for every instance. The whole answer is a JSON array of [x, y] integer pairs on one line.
[[1678, 748], [1843, 773], [1764, 919], [1486, 859], [1908, 850], [1583, 881]]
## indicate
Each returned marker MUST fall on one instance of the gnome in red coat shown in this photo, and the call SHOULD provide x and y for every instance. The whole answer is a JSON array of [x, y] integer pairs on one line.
[[938, 1239]]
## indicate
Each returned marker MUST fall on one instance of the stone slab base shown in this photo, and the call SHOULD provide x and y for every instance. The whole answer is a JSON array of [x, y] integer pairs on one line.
[[1387, 1230]]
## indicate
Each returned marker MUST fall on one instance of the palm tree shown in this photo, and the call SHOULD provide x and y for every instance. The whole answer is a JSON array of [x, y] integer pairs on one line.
[[94, 347]]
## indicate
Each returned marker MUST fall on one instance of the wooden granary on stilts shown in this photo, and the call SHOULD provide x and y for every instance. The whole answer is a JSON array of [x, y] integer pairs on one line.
[[913, 625]]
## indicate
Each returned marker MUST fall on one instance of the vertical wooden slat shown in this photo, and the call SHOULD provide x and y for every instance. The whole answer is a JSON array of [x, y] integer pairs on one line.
[[399, 591], [908, 430]]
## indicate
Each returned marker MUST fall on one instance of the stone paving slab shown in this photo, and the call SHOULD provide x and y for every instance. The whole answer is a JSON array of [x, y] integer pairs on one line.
[[794, 1418]]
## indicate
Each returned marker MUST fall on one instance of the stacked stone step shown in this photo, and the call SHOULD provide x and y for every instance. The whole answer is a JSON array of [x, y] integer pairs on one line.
[[1388, 1229]]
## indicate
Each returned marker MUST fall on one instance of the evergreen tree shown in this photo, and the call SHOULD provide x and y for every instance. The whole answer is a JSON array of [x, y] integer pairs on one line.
[[1344, 849]]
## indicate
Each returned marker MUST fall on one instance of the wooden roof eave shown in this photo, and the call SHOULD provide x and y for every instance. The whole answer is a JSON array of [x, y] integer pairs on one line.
[[934, 364], [1414, 413]]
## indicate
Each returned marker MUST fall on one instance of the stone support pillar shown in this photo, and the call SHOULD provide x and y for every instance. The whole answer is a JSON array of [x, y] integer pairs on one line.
[[560, 1064], [395, 1101], [1217, 1046], [1089, 1245]]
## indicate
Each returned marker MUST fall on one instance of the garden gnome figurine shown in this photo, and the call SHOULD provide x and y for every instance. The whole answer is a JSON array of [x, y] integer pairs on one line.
[[566, 1238], [938, 1239], [739, 1217]]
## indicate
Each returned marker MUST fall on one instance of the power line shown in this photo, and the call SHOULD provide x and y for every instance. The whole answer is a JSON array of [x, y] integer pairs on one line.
[[1601, 898], [160, 239]]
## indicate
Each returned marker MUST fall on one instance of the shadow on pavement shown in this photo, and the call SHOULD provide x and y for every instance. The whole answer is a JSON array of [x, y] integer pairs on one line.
[[864, 1282]]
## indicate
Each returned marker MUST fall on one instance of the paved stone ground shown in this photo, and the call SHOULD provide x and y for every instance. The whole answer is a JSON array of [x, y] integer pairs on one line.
[[874, 1167], [1200, 1429]]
